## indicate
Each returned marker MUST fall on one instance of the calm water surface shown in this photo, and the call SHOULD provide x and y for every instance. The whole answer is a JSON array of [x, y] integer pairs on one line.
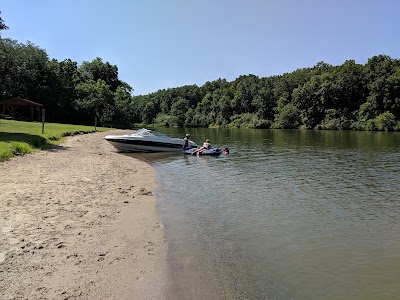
[[287, 215]]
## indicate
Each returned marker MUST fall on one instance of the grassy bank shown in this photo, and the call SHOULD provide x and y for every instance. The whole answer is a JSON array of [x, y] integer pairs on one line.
[[18, 138]]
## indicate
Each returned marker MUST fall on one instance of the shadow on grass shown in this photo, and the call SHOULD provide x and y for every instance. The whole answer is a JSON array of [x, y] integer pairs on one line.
[[36, 141]]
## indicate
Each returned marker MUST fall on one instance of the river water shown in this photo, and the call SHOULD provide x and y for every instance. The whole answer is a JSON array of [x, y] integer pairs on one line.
[[288, 214]]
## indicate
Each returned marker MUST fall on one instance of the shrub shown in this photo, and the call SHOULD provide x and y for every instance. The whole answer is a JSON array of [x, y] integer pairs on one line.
[[248, 120], [371, 125], [385, 121], [5, 151], [19, 148], [166, 120], [8, 150], [334, 120], [287, 117]]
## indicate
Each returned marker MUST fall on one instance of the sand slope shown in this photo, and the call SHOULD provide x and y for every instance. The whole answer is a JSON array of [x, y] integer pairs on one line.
[[80, 222]]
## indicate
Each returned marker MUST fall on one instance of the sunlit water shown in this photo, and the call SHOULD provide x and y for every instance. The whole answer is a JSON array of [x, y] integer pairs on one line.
[[287, 215]]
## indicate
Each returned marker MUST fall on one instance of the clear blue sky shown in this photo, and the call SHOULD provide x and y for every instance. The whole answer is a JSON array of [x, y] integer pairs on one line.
[[160, 44]]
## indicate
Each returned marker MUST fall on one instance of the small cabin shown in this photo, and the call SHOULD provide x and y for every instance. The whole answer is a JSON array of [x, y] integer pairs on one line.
[[20, 109]]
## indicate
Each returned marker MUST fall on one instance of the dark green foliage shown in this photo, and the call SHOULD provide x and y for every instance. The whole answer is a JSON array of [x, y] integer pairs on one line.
[[248, 120], [166, 121], [23, 70], [349, 96], [98, 70], [3, 26], [70, 93], [385, 121], [287, 115], [335, 120], [179, 109]]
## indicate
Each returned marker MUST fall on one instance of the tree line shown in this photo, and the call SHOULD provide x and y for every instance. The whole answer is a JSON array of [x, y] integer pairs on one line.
[[69, 92], [349, 96]]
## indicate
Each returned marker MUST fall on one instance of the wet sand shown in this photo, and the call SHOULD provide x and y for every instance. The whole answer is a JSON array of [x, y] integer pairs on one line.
[[80, 222]]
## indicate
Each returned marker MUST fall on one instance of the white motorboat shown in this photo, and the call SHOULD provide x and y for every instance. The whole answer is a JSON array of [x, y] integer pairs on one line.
[[145, 140]]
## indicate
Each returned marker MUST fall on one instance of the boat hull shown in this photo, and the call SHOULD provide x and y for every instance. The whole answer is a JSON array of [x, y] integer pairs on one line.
[[129, 145]]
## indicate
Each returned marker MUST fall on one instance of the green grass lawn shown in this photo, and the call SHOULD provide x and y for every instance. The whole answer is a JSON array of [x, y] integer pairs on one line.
[[18, 138]]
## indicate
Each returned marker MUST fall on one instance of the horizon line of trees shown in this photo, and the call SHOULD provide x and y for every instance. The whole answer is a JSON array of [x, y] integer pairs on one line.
[[349, 96]]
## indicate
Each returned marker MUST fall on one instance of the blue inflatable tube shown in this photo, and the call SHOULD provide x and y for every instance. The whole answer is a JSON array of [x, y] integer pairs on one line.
[[213, 151]]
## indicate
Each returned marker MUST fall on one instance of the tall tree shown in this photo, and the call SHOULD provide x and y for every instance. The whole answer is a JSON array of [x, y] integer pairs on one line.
[[97, 69], [287, 115], [179, 109], [122, 110], [61, 80], [310, 101], [22, 70], [3, 26], [351, 86], [96, 98]]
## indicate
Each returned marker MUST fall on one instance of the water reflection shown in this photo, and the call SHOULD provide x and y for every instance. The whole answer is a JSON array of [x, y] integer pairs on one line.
[[288, 214], [154, 157]]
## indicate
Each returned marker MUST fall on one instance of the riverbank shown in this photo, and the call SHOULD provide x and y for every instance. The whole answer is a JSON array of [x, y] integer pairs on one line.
[[80, 222]]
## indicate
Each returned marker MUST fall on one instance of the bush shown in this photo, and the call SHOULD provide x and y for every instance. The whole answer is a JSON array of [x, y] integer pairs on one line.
[[371, 125], [248, 120], [385, 121], [287, 117], [8, 150], [19, 148], [166, 121], [334, 120]]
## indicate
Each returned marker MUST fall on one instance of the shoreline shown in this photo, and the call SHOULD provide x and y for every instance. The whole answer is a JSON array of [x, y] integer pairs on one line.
[[80, 222]]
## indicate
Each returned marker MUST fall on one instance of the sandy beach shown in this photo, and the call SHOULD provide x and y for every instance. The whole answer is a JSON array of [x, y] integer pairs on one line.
[[80, 222]]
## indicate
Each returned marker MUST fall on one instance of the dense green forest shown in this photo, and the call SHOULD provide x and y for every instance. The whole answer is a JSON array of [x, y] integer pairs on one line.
[[349, 96]]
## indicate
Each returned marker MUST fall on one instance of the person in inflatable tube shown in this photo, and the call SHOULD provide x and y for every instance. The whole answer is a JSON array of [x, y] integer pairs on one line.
[[206, 146], [225, 151]]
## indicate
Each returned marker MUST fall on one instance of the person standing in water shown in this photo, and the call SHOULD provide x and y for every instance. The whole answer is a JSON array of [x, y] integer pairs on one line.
[[186, 142]]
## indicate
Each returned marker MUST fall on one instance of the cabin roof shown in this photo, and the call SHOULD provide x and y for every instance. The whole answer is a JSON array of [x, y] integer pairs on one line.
[[21, 102]]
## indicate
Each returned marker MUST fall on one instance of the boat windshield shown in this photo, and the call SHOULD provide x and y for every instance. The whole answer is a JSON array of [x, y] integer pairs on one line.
[[147, 132]]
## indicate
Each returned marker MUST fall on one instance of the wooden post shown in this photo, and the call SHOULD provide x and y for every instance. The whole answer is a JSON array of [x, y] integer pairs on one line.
[[95, 123], [43, 116]]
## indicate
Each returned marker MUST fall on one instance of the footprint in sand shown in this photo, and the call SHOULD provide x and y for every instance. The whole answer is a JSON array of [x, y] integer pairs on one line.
[[143, 272], [2, 257], [60, 245], [101, 257], [150, 248], [143, 191], [156, 226]]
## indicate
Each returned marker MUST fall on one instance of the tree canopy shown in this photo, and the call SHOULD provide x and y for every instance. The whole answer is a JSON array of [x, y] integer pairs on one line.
[[349, 96], [71, 93], [2, 24]]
